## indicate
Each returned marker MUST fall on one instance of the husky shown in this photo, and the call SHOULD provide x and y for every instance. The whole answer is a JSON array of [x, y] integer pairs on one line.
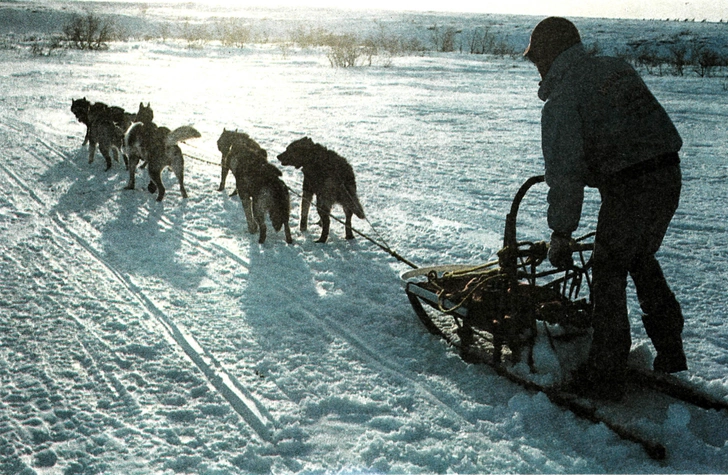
[[80, 108], [244, 157], [328, 176], [102, 130], [105, 126], [269, 196], [232, 142], [157, 148]]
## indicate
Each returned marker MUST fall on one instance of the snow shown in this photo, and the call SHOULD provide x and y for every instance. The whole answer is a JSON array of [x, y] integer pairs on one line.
[[141, 337]]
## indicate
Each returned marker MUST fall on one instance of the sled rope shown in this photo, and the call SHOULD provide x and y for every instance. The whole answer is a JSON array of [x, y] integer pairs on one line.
[[200, 159], [384, 246]]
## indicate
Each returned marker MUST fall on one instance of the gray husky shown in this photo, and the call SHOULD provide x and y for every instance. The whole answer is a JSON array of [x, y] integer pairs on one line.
[[103, 131], [269, 196], [157, 148], [105, 126], [244, 157], [328, 176], [232, 143]]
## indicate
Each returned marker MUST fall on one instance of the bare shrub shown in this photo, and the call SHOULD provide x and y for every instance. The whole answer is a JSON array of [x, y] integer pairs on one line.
[[165, 31], [196, 35], [649, 57], [386, 46], [481, 40], [706, 60], [311, 37], [88, 32], [679, 57], [444, 37], [47, 47], [384, 42], [344, 50], [234, 32]]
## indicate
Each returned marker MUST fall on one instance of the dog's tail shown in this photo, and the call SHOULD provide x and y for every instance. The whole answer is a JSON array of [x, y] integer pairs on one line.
[[354, 203], [180, 134]]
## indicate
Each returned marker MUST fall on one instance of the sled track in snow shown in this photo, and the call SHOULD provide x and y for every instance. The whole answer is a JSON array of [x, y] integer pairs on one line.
[[330, 326], [241, 400]]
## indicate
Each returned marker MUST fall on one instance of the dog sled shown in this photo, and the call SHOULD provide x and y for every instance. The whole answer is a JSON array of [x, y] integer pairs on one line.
[[492, 313]]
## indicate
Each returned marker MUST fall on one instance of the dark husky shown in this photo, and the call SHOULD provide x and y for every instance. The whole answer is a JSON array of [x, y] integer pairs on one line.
[[80, 108], [105, 127], [102, 130], [269, 195], [328, 176], [233, 142], [157, 147], [244, 157]]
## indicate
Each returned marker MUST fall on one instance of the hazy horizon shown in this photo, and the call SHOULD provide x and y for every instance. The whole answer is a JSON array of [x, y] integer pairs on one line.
[[697, 10]]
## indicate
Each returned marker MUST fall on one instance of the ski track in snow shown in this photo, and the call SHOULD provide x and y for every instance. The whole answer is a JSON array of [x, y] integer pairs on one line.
[[144, 337]]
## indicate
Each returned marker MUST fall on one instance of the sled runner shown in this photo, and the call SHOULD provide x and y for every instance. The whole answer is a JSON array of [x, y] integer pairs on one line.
[[491, 314]]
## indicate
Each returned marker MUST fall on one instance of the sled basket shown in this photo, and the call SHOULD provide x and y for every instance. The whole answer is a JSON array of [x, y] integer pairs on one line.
[[490, 311]]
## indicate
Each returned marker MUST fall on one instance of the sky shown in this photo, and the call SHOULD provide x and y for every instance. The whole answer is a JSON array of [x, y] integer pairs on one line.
[[698, 10], [712, 10]]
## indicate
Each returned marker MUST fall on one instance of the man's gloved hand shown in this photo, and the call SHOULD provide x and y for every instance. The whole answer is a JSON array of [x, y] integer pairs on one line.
[[560, 250]]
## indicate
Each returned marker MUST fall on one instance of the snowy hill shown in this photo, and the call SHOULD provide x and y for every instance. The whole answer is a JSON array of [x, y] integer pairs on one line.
[[141, 337]]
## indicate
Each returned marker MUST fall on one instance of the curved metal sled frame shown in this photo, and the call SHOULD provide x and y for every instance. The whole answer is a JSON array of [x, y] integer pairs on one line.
[[490, 311]]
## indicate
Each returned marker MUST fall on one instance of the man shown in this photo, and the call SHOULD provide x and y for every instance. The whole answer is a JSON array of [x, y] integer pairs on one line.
[[602, 127]]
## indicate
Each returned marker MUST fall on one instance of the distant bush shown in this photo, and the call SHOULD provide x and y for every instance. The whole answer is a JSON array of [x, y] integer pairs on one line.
[[482, 40], [679, 58], [234, 32], [707, 60], [444, 38], [165, 31], [344, 50], [311, 37], [195, 34], [88, 32], [677, 55], [384, 43], [47, 47]]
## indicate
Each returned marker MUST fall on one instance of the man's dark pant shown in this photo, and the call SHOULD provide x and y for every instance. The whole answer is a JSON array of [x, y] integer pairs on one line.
[[634, 216]]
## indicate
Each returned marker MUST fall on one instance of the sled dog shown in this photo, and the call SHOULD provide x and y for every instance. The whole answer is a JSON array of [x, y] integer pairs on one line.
[[244, 157], [79, 108], [157, 147], [105, 126], [234, 142], [104, 132], [328, 176], [269, 196]]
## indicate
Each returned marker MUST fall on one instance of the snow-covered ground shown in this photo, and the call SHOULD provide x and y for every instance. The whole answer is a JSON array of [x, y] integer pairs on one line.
[[141, 337]]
